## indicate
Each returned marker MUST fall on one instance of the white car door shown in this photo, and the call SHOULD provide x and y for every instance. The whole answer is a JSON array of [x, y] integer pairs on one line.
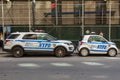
[[97, 44]]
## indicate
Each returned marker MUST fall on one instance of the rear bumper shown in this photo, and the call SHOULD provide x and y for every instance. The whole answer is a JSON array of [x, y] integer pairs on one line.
[[6, 50]]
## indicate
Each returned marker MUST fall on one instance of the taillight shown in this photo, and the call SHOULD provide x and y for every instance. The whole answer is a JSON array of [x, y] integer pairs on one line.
[[6, 41], [80, 42]]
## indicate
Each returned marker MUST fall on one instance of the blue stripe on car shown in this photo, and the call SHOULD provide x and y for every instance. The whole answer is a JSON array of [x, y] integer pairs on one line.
[[97, 42], [98, 50], [37, 41], [31, 48]]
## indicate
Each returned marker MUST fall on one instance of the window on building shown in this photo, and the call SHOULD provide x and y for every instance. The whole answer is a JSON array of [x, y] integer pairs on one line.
[[77, 9], [56, 8], [101, 12]]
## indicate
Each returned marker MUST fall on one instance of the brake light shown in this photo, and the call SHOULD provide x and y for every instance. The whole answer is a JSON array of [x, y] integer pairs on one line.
[[80, 42], [6, 41]]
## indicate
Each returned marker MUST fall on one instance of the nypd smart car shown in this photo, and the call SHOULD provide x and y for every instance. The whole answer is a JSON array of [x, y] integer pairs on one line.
[[94, 44], [20, 42]]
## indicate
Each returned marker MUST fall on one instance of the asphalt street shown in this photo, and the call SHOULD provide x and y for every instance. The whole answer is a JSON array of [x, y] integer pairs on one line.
[[48, 67]]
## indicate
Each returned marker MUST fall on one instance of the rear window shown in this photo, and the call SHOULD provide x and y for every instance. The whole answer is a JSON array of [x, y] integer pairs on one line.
[[13, 36]]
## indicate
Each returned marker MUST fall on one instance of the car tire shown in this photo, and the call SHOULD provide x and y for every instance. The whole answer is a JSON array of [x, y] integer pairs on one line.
[[112, 52], [84, 52], [17, 52], [60, 52]]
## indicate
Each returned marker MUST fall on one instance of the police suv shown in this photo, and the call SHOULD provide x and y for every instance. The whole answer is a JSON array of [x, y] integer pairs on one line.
[[96, 44], [20, 42]]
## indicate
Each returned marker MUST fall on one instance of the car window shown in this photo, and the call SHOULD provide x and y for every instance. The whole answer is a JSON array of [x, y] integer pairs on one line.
[[49, 37], [41, 37], [13, 36], [30, 36], [96, 38], [45, 37]]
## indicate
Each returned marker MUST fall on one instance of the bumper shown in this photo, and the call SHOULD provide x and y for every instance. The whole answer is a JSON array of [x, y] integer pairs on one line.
[[6, 50]]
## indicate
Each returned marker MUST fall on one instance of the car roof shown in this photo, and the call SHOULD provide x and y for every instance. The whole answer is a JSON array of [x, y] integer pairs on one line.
[[92, 35], [28, 33]]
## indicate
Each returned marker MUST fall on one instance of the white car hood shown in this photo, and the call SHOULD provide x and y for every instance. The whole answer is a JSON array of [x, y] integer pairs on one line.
[[112, 43]]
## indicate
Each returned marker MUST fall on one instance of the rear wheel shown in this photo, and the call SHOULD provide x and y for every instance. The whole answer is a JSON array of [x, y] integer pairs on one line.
[[83, 52], [60, 52], [17, 52], [112, 53]]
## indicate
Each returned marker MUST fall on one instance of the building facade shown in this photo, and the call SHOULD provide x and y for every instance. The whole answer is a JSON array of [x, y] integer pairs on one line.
[[57, 16], [19, 12]]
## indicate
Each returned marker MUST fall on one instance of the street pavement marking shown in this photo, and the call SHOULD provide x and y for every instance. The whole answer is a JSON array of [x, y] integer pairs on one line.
[[100, 76], [113, 58], [62, 64], [30, 65], [93, 63]]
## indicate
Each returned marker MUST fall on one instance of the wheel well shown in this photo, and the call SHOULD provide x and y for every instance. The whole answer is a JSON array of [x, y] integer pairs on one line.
[[60, 46], [84, 48], [17, 46], [112, 48]]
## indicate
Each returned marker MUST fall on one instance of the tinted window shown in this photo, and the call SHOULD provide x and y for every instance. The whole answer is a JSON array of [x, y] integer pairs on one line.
[[13, 36], [96, 38], [45, 37], [42, 37], [49, 37], [30, 36]]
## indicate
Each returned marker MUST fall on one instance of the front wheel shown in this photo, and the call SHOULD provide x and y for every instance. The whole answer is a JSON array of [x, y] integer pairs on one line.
[[60, 52], [17, 52], [83, 52], [112, 53]]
